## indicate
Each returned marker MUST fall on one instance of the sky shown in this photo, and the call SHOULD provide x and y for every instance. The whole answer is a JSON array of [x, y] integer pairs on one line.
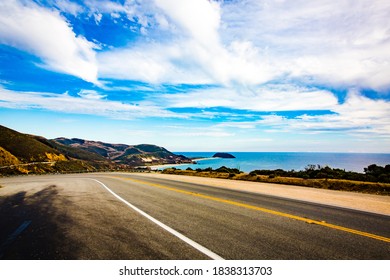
[[200, 75]]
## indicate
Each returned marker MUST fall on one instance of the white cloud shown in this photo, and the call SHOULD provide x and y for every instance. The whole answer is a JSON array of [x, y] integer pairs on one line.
[[252, 42], [191, 53], [335, 42], [358, 115], [249, 42], [348, 68], [103, 6], [46, 34], [68, 7], [144, 13], [266, 98], [91, 94], [88, 102], [200, 19], [152, 63]]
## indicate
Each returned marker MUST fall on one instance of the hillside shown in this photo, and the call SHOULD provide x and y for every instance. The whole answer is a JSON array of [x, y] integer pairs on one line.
[[26, 148], [72, 152], [23, 154], [132, 155], [6, 158]]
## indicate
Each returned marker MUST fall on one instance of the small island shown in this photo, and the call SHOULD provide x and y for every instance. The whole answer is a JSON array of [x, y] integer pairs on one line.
[[223, 155]]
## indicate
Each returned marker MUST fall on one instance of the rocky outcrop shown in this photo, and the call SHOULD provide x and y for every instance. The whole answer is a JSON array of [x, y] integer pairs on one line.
[[223, 155]]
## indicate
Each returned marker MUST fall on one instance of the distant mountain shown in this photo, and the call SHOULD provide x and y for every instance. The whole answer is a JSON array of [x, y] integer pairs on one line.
[[23, 153], [72, 152], [132, 155]]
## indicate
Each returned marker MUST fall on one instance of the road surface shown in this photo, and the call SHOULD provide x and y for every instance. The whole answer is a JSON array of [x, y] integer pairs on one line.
[[129, 216]]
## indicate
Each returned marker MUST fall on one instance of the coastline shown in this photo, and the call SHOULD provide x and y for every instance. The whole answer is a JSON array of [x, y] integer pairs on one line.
[[249, 161], [159, 166]]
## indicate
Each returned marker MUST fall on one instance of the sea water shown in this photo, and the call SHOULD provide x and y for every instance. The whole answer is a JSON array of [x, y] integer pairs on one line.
[[248, 161]]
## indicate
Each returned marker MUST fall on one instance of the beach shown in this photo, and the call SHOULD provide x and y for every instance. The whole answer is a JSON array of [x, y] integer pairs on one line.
[[163, 166]]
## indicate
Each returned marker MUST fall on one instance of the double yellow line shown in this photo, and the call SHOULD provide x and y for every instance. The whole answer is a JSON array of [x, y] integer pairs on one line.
[[261, 209]]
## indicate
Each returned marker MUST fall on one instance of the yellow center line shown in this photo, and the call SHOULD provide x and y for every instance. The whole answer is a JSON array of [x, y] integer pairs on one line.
[[261, 209]]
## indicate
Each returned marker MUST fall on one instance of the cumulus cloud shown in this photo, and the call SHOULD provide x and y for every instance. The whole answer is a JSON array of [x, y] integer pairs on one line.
[[253, 42], [199, 19], [192, 53], [47, 35], [250, 42], [342, 43]]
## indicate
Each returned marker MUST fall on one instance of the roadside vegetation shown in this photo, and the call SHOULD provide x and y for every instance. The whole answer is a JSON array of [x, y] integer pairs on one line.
[[374, 180], [76, 166]]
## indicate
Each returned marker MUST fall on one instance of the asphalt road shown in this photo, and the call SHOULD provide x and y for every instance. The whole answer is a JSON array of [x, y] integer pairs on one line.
[[79, 217]]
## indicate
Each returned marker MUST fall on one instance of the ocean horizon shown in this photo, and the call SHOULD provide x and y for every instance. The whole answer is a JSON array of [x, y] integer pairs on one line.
[[249, 161]]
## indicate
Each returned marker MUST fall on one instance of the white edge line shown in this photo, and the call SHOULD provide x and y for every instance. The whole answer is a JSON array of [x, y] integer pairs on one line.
[[190, 242]]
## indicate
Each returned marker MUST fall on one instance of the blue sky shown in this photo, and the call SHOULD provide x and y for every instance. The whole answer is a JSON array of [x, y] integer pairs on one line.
[[199, 75]]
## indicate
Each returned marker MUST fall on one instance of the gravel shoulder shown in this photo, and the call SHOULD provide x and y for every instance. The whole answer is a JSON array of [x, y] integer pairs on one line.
[[357, 201]]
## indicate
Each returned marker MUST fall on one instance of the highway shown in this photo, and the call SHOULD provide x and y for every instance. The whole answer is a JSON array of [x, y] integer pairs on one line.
[[129, 216]]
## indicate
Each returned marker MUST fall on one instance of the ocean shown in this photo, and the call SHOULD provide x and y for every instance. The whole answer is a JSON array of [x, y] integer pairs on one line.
[[249, 161]]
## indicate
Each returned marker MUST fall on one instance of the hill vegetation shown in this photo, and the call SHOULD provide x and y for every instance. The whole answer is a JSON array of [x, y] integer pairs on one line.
[[24, 154], [372, 173], [25, 147], [375, 180], [70, 151], [6, 158], [131, 155]]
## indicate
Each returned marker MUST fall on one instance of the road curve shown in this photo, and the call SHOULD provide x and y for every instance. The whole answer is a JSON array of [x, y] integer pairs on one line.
[[76, 217]]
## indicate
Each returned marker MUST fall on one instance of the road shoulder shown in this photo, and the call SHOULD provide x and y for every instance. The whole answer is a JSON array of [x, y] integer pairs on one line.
[[357, 201]]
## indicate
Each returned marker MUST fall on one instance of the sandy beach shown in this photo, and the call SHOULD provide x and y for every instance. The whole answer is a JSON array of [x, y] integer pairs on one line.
[[358, 201], [157, 167]]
